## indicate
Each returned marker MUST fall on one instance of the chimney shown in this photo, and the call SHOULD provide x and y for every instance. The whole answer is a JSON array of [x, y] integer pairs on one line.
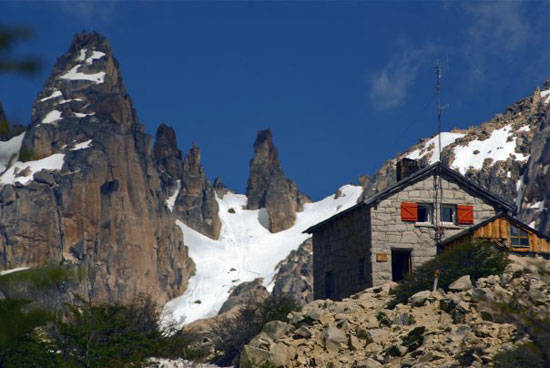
[[406, 167]]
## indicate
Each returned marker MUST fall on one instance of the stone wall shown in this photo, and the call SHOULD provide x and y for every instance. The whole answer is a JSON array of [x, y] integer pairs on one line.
[[338, 249], [390, 232]]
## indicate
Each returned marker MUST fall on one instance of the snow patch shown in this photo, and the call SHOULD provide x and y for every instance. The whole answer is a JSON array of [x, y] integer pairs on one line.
[[8, 149], [81, 115], [82, 55], [525, 128], [7, 272], [171, 201], [245, 246], [52, 117], [82, 145], [53, 162], [447, 138], [55, 94], [537, 205], [74, 74], [497, 148], [545, 96], [95, 55]]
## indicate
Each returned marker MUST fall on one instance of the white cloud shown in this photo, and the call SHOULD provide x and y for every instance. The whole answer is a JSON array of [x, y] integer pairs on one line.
[[496, 29], [90, 10], [389, 86]]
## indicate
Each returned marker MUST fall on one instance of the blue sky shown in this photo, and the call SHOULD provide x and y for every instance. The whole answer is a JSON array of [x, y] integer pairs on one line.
[[343, 85]]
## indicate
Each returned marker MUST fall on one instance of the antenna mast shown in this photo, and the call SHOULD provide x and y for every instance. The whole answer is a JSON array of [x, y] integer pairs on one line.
[[438, 92], [437, 177]]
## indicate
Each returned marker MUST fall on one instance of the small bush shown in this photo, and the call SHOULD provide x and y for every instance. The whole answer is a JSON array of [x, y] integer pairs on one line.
[[479, 259], [27, 155], [527, 355], [532, 324], [110, 335]]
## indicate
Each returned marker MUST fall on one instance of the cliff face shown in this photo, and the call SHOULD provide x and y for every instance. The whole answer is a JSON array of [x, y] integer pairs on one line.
[[186, 188], [98, 203], [196, 202], [508, 155], [269, 188]]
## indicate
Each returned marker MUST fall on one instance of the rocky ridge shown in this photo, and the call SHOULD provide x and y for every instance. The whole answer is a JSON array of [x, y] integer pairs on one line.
[[507, 155], [86, 191], [294, 274], [434, 329], [187, 191], [269, 188]]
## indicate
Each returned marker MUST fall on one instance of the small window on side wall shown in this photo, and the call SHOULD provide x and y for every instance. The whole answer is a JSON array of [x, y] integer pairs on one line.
[[518, 237], [361, 269], [448, 213]]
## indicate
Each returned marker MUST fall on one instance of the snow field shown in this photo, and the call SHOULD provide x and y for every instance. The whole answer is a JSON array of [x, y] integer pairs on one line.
[[497, 147], [245, 251], [447, 138], [53, 162], [8, 149]]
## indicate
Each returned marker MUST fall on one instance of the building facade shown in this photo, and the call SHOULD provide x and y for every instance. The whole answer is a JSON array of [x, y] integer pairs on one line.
[[391, 233]]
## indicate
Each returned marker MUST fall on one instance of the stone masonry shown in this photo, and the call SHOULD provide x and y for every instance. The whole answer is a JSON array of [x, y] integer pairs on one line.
[[390, 232], [338, 250]]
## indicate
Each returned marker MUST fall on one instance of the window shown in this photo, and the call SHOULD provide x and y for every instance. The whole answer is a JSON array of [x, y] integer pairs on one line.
[[329, 285], [518, 237], [416, 212], [424, 213], [361, 269], [448, 213]]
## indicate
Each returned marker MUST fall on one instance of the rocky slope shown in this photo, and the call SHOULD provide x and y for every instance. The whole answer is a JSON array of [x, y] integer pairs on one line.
[[86, 190], [435, 329], [269, 188], [294, 274]]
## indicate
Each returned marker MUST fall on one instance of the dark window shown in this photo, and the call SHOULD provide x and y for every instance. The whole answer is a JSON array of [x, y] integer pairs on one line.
[[361, 269], [424, 212], [448, 213], [329, 285], [518, 237]]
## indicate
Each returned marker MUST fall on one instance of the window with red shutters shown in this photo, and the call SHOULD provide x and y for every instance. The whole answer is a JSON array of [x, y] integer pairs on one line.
[[465, 214], [409, 211]]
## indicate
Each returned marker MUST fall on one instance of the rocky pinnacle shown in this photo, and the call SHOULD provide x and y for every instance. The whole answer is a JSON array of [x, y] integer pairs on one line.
[[269, 188]]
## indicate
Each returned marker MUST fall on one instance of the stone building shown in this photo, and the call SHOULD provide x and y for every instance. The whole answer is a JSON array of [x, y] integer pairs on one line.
[[386, 236]]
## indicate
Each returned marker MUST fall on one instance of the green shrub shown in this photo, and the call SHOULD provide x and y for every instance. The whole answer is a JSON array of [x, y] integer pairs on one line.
[[27, 155], [531, 323], [479, 259], [4, 130], [109, 335], [527, 355]]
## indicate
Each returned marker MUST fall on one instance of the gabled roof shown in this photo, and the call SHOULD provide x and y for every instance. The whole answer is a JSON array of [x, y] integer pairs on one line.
[[512, 220], [421, 174]]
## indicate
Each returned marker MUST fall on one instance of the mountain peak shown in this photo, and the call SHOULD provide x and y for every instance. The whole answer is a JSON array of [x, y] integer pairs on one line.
[[85, 86], [269, 188]]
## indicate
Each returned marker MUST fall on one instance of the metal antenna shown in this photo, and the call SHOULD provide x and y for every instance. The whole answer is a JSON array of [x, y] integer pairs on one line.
[[437, 177], [439, 69]]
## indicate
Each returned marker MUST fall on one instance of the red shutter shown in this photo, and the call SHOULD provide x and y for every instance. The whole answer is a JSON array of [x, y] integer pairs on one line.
[[409, 211], [465, 214]]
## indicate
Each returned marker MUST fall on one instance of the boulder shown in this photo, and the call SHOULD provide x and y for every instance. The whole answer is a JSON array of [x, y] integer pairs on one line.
[[418, 299], [462, 284]]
